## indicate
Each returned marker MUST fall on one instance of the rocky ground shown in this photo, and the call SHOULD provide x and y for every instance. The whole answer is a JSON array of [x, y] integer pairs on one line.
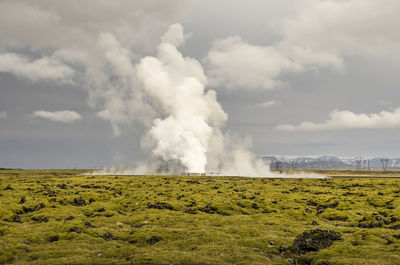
[[61, 217]]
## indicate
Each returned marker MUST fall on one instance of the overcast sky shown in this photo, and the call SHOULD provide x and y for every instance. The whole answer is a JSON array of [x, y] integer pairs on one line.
[[299, 77]]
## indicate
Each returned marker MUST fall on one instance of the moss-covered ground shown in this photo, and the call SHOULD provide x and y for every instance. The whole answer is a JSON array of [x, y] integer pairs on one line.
[[62, 217]]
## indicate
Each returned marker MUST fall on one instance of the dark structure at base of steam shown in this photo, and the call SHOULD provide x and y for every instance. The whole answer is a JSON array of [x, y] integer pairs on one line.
[[191, 174]]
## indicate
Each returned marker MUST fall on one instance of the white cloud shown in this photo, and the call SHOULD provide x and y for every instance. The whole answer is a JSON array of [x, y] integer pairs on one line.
[[3, 114], [321, 35], [340, 120], [234, 63], [43, 68], [66, 33], [66, 116], [73, 24], [268, 103]]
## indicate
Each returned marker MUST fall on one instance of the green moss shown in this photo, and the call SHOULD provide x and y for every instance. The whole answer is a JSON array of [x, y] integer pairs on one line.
[[230, 221]]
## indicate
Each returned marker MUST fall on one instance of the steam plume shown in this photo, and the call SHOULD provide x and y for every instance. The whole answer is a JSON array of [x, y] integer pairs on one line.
[[186, 120]]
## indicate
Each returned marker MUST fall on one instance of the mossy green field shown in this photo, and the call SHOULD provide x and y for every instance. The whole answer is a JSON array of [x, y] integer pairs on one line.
[[63, 217]]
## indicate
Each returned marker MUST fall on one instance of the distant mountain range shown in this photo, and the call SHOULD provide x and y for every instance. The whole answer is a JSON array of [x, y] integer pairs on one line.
[[330, 162]]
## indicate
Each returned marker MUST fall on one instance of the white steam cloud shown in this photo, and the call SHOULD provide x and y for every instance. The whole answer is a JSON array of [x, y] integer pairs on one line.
[[340, 120], [167, 94], [65, 116], [191, 115]]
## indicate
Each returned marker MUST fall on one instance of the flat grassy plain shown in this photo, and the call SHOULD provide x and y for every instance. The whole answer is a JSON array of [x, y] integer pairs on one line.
[[62, 217]]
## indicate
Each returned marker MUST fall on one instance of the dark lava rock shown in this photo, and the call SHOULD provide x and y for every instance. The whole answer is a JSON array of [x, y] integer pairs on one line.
[[378, 222], [53, 238], [190, 211], [108, 236], [40, 219], [314, 240], [101, 210], [160, 206], [79, 202], [16, 218], [22, 200], [395, 227], [153, 240], [89, 225], [69, 218], [311, 203], [32, 209], [268, 211], [240, 205], [62, 186], [75, 229], [254, 206], [192, 204], [321, 208], [8, 188], [38, 207], [91, 200], [212, 210]]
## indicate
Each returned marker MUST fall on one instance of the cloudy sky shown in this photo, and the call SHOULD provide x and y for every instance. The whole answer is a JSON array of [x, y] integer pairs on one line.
[[298, 77]]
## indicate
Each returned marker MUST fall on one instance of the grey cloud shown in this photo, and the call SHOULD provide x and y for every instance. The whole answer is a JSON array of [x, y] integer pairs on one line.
[[3, 114], [43, 68], [66, 116], [348, 120], [320, 35]]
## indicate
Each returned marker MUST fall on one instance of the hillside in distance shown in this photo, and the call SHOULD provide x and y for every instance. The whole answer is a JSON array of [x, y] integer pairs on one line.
[[331, 162]]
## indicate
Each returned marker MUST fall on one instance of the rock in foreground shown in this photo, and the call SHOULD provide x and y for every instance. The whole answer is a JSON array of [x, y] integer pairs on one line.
[[314, 240]]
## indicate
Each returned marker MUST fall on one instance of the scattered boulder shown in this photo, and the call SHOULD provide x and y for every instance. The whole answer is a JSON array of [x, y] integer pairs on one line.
[[192, 204], [91, 200], [69, 218], [371, 222], [240, 205], [88, 225], [40, 219], [311, 203], [31, 209], [75, 229], [321, 208], [212, 210], [190, 211], [22, 200], [53, 238], [160, 206], [79, 202], [62, 186], [153, 240], [314, 240], [8, 188], [16, 218], [395, 227], [108, 236], [101, 210]]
